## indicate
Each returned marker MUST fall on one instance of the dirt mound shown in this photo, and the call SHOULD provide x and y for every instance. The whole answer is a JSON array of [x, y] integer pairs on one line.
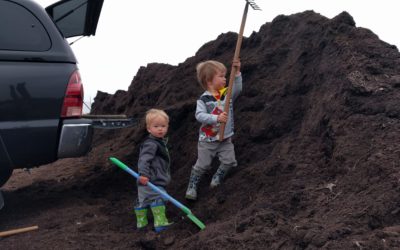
[[316, 141]]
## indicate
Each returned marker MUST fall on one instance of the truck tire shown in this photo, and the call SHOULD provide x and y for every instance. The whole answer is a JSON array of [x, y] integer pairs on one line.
[[6, 167], [5, 173]]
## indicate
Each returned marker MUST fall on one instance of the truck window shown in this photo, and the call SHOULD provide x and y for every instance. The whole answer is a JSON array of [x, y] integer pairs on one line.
[[76, 17], [20, 30], [70, 17]]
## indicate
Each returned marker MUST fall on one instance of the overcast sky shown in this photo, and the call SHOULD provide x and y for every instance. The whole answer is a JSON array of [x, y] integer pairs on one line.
[[133, 33]]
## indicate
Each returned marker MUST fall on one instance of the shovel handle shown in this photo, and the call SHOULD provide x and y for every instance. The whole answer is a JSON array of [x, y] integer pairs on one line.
[[163, 194], [151, 185]]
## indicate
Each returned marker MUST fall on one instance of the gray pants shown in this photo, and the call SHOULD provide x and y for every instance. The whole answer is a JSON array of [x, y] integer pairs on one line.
[[147, 196], [208, 150]]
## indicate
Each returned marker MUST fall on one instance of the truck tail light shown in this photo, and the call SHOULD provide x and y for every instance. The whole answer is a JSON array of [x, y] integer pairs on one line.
[[73, 100]]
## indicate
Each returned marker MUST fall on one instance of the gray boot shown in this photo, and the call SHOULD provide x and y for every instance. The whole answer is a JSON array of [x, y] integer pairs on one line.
[[191, 192], [219, 176]]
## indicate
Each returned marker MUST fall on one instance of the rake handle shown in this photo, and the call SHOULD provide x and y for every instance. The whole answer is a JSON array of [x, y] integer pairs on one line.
[[233, 70]]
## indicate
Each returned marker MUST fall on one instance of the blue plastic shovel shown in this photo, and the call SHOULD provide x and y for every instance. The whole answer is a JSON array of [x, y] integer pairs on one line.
[[163, 194]]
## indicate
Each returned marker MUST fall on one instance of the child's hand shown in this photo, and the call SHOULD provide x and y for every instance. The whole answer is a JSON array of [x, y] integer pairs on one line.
[[223, 117], [236, 65], [143, 180]]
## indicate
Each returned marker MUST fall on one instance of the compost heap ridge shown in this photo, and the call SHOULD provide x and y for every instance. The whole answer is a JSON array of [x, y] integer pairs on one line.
[[316, 137]]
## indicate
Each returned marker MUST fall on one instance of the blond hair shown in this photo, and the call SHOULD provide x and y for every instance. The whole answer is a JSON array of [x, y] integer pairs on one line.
[[153, 113], [207, 70]]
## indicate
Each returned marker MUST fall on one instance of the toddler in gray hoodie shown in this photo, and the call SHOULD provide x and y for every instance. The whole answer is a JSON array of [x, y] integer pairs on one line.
[[153, 166]]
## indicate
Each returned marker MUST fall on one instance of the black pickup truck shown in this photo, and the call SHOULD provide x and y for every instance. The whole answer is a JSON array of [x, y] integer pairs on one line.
[[41, 93]]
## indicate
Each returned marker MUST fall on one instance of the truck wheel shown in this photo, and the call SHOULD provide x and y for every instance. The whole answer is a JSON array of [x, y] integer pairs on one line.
[[5, 174]]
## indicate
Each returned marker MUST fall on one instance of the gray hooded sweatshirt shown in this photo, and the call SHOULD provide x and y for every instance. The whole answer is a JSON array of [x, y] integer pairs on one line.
[[154, 161]]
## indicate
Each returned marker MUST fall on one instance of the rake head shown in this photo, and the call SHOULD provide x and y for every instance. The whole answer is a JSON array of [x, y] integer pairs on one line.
[[253, 5]]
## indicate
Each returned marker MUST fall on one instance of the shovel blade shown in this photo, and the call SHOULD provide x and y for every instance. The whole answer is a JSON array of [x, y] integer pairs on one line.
[[196, 221]]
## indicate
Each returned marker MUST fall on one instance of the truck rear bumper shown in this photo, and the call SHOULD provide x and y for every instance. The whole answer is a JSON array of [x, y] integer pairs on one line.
[[76, 138]]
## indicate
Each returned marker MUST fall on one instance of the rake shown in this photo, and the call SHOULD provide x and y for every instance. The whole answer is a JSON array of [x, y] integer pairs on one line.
[[253, 5]]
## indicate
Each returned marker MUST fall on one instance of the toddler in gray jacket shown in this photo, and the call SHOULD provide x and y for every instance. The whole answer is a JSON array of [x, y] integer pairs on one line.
[[153, 166], [209, 112]]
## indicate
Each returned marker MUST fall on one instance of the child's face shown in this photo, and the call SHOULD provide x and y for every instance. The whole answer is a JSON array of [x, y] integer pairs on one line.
[[218, 82], [158, 127]]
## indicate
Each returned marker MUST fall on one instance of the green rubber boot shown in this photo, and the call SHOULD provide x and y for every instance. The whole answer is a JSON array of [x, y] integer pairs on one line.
[[160, 219], [141, 217]]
